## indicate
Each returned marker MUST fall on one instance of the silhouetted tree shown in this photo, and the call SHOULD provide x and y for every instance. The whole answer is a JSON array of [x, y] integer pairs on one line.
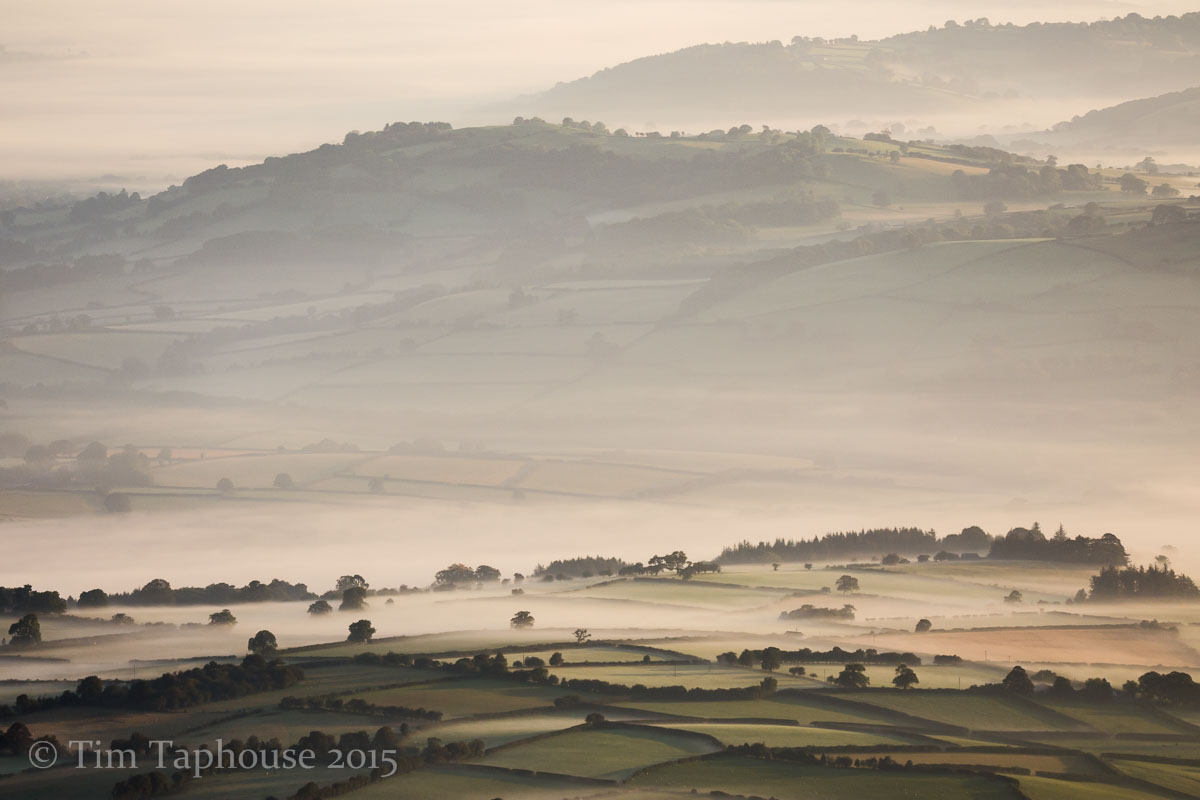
[[262, 643], [361, 631], [320, 607], [222, 617], [852, 676], [905, 678], [25, 631], [1017, 681]]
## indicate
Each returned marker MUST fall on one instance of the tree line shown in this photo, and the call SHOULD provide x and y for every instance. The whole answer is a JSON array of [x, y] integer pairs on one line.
[[159, 592], [171, 690], [1018, 543], [1133, 583]]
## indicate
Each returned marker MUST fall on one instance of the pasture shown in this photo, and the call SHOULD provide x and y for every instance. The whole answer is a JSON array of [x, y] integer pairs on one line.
[[796, 782], [464, 697], [975, 712], [612, 753]]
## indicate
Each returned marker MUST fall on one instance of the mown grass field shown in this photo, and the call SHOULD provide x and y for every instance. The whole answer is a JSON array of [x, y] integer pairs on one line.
[[611, 753], [460, 698]]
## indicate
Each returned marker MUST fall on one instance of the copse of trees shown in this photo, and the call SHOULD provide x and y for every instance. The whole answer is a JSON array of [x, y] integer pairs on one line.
[[1173, 688], [21, 599], [1136, 583], [159, 592], [461, 573], [1010, 181], [809, 611], [1032, 545], [581, 567], [836, 545]]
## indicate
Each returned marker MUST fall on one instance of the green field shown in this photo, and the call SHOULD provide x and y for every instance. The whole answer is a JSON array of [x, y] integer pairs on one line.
[[466, 783], [976, 712], [1120, 717], [1177, 777], [797, 782], [804, 708], [499, 730], [611, 753], [464, 698], [787, 735], [1036, 788]]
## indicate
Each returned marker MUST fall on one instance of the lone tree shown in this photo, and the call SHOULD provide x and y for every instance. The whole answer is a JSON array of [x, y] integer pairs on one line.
[[1017, 681], [1014, 596], [521, 620], [771, 659], [847, 584], [594, 720], [924, 626], [25, 631], [556, 659], [455, 573], [350, 581], [581, 635], [485, 573], [320, 607], [93, 598], [905, 677], [361, 631], [222, 617], [353, 599], [262, 643], [808, 566], [284, 481], [853, 676], [224, 486]]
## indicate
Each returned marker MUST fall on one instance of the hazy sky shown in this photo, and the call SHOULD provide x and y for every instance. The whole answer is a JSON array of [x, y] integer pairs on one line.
[[147, 89]]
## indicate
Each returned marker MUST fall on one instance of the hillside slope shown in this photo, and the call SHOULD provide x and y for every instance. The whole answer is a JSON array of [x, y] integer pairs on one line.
[[956, 76]]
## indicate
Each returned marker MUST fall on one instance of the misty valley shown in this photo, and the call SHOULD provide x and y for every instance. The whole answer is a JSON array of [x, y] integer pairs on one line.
[[555, 457]]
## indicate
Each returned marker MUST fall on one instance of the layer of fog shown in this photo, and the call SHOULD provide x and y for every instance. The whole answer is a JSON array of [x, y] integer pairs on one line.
[[315, 543], [166, 90]]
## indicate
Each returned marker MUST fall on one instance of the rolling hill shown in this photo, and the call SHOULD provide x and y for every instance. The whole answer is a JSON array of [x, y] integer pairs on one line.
[[955, 77]]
